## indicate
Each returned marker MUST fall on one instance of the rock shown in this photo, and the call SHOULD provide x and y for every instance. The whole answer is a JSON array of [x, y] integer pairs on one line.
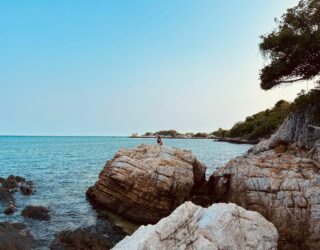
[[280, 178], [283, 187], [10, 182], [147, 183], [15, 236], [7, 199], [295, 131], [10, 209], [19, 179], [221, 226], [36, 213], [80, 239], [27, 188], [11, 185]]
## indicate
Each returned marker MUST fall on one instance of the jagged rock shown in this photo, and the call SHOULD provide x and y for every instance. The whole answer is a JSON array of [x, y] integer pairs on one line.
[[283, 187], [84, 239], [15, 236], [36, 213], [296, 131], [280, 178], [221, 226], [147, 183]]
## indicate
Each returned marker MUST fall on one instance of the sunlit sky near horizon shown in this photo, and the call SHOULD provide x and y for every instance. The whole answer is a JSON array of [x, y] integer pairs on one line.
[[118, 67]]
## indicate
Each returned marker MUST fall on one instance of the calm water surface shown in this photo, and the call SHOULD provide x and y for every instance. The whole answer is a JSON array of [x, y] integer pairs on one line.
[[62, 169]]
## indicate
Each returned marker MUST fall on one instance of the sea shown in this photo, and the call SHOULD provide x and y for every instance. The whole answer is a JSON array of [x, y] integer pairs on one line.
[[63, 167]]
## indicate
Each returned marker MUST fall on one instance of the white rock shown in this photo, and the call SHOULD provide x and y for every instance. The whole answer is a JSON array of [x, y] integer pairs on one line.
[[221, 226]]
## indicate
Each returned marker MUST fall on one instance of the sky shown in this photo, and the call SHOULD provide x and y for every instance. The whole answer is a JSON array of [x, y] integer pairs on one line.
[[115, 67]]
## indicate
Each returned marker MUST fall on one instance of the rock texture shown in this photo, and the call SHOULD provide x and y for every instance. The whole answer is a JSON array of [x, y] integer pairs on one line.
[[15, 236], [279, 178], [36, 213], [283, 188], [80, 239], [221, 226], [147, 183], [297, 131]]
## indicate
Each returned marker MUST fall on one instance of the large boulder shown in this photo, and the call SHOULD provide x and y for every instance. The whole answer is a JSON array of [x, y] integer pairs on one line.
[[221, 226], [147, 183], [283, 187], [15, 236]]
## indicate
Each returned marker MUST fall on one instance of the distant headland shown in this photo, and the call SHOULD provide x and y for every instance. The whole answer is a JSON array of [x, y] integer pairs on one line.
[[255, 128]]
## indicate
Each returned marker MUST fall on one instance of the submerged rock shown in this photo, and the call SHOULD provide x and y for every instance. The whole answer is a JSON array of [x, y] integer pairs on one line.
[[147, 183], [221, 226], [15, 236], [36, 213]]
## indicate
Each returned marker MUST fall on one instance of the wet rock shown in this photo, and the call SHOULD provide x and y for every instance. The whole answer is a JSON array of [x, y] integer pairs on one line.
[[15, 236], [36, 213], [221, 226], [11, 185], [84, 239], [6, 198], [19, 179], [147, 183], [10, 182], [10, 209], [27, 188]]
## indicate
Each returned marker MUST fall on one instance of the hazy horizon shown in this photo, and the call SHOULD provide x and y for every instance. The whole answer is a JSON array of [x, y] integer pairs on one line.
[[113, 68]]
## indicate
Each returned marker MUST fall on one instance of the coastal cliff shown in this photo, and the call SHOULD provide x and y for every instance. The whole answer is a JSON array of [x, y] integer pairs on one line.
[[280, 178]]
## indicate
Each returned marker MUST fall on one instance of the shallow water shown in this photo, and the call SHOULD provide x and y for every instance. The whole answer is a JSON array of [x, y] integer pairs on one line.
[[62, 169]]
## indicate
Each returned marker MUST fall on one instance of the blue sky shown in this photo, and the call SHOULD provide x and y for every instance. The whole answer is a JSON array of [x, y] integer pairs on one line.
[[118, 67]]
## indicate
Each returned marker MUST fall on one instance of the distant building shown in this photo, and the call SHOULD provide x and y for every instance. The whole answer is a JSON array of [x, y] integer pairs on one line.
[[134, 135]]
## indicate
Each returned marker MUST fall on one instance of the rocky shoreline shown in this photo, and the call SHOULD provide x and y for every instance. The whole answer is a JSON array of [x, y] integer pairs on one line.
[[269, 198], [279, 178]]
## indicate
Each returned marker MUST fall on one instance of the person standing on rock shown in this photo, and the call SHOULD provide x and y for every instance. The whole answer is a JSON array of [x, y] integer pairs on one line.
[[159, 140]]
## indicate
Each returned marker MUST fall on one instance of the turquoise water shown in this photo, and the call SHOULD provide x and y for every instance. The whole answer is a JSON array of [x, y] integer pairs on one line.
[[62, 169]]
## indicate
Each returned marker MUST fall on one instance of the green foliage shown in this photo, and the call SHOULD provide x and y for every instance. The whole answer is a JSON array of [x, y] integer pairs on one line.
[[308, 101], [201, 135], [294, 47], [220, 133], [172, 133], [259, 125]]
